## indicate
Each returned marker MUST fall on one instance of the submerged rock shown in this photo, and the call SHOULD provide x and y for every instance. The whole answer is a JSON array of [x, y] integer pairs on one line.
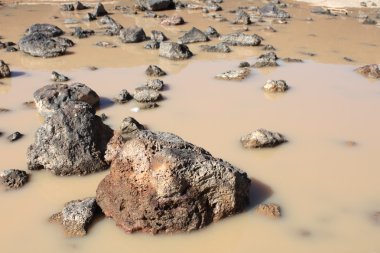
[[160, 183], [270, 210], [241, 39], [145, 95], [154, 70], [57, 77], [15, 136], [262, 138], [155, 5], [155, 84], [46, 29], [72, 141], [4, 70], [218, 48], [192, 36], [370, 71], [238, 74], [13, 179], [132, 34], [51, 97], [41, 45], [275, 86], [76, 216], [173, 20], [291, 60], [123, 97], [174, 51]]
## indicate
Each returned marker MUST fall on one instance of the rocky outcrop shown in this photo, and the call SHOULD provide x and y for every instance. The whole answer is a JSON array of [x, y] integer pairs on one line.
[[72, 141], [76, 216], [155, 5], [370, 71], [174, 51], [4, 70], [192, 36], [13, 179], [238, 74], [275, 86], [132, 34], [241, 39], [262, 138], [218, 48], [51, 97], [154, 70], [160, 183]]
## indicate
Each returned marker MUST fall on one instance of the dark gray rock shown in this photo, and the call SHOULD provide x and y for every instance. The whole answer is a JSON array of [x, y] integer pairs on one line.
[[218, 48], [67, 7], [192, 36], [76, 216], [158, 36], [13, 179], [15, 136], [129, 126], [155, 84], [57, 77], [51, 97], [47, 29], [155, 5], [122, 97], [241, 39], [173, 20], [81, 34], [152, 44], [79, 6], [4, 70], [174, 51], [272, 11], [41, 45], [89, 17], [146, 95], [113, 28], [266, 60], [262, 138], [154, 70], [72, 141], [276, 86], [242, 18], [133, 34], [11, 49], [170, 186], [321, 10], [211, 32], [100, 10]]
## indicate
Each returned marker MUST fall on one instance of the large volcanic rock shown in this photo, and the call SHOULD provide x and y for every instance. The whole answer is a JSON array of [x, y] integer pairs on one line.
[[72, 141], [160, 183], [41, 45]]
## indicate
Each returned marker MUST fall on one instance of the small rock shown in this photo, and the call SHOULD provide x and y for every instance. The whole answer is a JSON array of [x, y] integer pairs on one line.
[[275, 86], [213, 7], [130, 125], [150, 14], [76, 216], [291, 60], [376, 217], [155, 5], [70, 21], [122, 97], [173, 20], [105, 44], [89, 17], [4, 110], [81, 34], [370, 71], [368, 21], [4, 70], [269, 48], [321, 10], [262, 138], [67, 7], [113, 28], [144, 95], [241, 39], [158, 36], [270, 29], [244, 64], [154, 70], [11, 49], [350, 143], [30, 104], [266, 60], [145, 106], [211, 32], [56, 77], [133, 34], [174, 51], [13, 179], [269, 210], [218, 48], [155, 84], [79, 6], [93, 68], [242, 18], [272, 11], [152, 44], [348, 59], [239, 74], [103, 116], [42, 45], [100, 10], [15, 136], [192, 36]]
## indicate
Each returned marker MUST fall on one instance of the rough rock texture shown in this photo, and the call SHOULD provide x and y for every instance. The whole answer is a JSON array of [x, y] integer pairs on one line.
[[123, 97], [262, 138], [152, 44], [105, 44], [174, 51], [272, 11], [72, 141], [238, 74], [242, 18], [82, 33], [76, 216], [47, 29], [155, 84], [160, 183], [291, 60], [57, 77], [67, 7], [270, 210], [173, 20], [241, 39], [154, 70], [13, 179], [218, 48], [4, 70], [192, 36], [244, 64], [158, 36], [132, 34], [276, 86], [15, 136], [370, 71], [112, 27], [100, 10], [211, 32], [266, 60], [155, 5], [79, 6], [145, 95], [51, 97], [41, 45], [129, 126]]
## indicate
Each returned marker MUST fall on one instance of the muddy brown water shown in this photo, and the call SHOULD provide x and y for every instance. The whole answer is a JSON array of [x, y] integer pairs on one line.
[[327, 189]]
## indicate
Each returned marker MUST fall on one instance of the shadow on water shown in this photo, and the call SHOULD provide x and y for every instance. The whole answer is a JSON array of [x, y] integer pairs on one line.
[[258, 193], [105, 102], [17, 73]]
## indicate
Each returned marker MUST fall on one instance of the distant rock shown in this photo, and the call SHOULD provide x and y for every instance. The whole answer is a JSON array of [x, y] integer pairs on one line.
[[218, 48], [100, 10], [211, 32], [132, 34], [67, 7], [72, 141], [123, 97], [4, 70], [145, 95], [173, 20], [51, 97], [76, 216], [244, 64], [154, 70], [238, 74], [57, 77], [155, 84], [13, 179], [291, 60], [174, 51], [160, 183], [192, 36], [276, 86], [270, 210], [105, 44], [81, 33], [272, 11], [241, 39], [15, 136], [155, 5], [262, 138], [370, 71], [266, 60], [46, 29]]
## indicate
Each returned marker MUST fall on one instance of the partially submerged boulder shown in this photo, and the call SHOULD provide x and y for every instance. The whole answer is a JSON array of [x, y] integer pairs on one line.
[[174, 51], [276, 86], [47, 29], [238, 74], [192, 36], [123, 97], [132, 34], [241, 39], [72, 141], [51, 97], [160, 183], [76, 216], [13, 179], [155, 5], [262, 138], [145, 95], [4, 70], [42, 45], [154, 70], [270, 210], [218, 48], [370, 71], [155, 84]]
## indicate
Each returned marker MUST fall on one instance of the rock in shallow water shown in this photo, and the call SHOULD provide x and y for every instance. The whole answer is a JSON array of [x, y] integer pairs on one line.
[[72, 141], [145, 95], [174, 51], [13, 179], [15, 136], [4, 70], [370, 71], [262, 138], [155, 5], [133, 34], [57, 77], [238, 74], [154, 70], [76, 216], [276, 86], [41, 45], [173, 20], [47, 29], [160, 183], [241, 39], [218, 48], [192, 36], [122, 97]]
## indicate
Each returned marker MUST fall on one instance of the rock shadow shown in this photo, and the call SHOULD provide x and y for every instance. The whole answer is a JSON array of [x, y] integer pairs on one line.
[[17, 73], [258, 193], [105, 103]]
